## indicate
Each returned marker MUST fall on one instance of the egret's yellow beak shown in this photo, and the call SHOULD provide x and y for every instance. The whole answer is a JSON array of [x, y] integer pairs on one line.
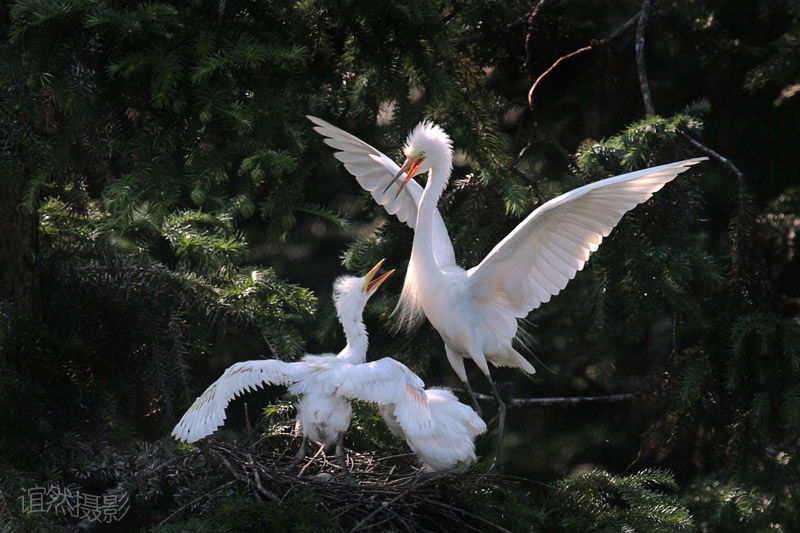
[[371, 285], [410, 168]]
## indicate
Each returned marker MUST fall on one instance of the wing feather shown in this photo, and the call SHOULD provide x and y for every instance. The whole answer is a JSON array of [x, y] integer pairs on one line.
[[388, 381], [207, 413], [537, 260], [373, 172]]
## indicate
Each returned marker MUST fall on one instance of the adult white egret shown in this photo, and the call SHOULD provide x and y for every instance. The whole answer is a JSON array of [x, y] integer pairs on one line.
[[325, 384], [476, 310], [450, 443]]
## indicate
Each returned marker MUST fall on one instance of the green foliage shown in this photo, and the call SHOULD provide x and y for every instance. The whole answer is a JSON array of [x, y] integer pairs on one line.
[[598, 501], [164, 148], [719, 505], [299, 512]]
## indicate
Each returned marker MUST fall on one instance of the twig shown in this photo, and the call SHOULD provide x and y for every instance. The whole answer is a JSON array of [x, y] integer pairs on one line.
[[554, 65], [244, 479], [567, 401], [530, 19], [181, 508], [479, 518], [387, 504], [643, 83], [613, 35], [727, 163]]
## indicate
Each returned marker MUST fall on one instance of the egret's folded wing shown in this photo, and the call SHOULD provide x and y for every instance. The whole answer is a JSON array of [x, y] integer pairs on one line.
[[207, 413], [387, 381], [537, 260], [374, 171]]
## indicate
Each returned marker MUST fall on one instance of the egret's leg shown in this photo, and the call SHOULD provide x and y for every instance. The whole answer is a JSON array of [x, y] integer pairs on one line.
[[473, 398], [457, 362], [343, 461], [301, 453], [501, 422]]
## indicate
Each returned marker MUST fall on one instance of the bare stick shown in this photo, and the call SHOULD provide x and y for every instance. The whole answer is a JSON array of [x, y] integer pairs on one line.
[[207, 494], [643, 83], [727, 163], [567, 401], [554, 65], [385, 505], [613, 35]]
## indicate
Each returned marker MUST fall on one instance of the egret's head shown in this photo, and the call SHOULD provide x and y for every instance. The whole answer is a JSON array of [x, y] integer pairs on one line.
[[350, 294], [427, 147]]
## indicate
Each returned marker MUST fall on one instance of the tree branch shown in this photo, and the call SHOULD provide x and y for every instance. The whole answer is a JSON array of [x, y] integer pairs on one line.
[[727, 163], [569, 401], [643, 83], [613, 35]]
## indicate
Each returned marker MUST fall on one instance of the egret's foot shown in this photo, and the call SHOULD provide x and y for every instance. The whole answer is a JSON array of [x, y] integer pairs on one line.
[[496, 468], [425, 477], [349, 480]]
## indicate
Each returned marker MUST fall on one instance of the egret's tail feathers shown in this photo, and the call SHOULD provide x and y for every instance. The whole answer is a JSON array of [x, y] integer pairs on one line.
[[514, 359]]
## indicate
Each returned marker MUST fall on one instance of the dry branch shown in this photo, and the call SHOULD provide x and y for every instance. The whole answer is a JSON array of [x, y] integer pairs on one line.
[[387, 496], [640, 67], [613, 35], [571, 401]]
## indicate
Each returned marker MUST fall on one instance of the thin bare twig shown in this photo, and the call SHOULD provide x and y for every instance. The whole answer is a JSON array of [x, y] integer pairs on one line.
[[387, 504], [530, 20], [643, 83], [207, 494], [571, 401], [613, 35], [727, 163], [467, 513]]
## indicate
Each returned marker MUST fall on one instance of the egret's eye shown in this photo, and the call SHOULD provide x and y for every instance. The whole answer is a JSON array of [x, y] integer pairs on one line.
[[422, 154]]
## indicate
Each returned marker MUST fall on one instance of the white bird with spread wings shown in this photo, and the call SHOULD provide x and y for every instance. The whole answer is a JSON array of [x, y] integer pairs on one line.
[[476, 310], [326, 384]]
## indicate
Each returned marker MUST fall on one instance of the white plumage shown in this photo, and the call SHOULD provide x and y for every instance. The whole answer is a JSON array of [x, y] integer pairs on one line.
[[325, 383], [476, 310], [450, 444]]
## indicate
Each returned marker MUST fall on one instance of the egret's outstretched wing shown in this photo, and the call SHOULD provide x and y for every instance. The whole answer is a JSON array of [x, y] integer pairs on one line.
[[374, 171], [387, 381], [207, 413], [537, 260]]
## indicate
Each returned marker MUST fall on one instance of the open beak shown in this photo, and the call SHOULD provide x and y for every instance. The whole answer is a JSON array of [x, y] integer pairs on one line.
[[410, 168], [371, 285]]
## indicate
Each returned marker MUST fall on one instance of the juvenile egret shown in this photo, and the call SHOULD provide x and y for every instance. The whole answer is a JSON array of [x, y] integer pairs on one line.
[[476, 310], [325, 384], [450, 444]]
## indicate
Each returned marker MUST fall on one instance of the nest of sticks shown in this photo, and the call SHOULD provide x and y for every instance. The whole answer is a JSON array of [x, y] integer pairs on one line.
[[391, 493]]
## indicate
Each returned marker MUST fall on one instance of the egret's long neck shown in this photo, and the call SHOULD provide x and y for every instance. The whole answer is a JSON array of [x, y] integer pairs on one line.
[[422, 251], [357, 342]]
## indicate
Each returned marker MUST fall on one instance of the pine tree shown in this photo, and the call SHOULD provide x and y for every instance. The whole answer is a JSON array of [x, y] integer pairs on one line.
[[148, 149]]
